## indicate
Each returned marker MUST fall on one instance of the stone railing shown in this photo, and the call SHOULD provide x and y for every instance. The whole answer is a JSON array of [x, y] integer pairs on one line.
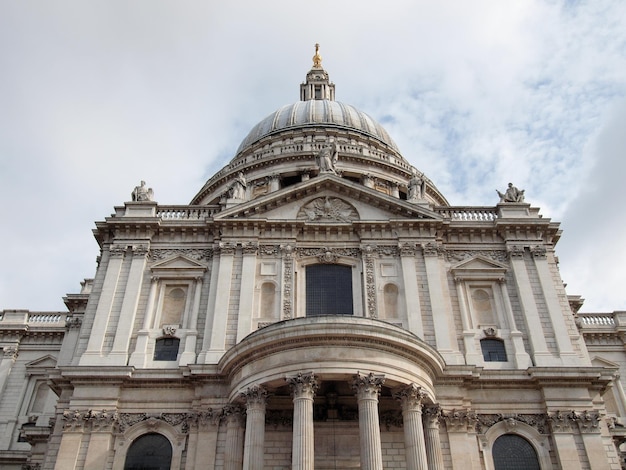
[[186, 212], [596, 320], [46, 318], [471, 214]]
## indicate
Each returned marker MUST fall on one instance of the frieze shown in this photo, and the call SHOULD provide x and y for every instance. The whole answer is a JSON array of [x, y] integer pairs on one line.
[[250, 248], [388, 250], [328, 255], [328, 209], [268, 250], [195, 254], [539, 421], [460, 255]]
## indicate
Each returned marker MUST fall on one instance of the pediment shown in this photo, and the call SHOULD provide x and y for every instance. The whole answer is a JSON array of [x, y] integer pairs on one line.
[[602, 362], [38, 366], [179, 264], [327, 199], [479, 266]]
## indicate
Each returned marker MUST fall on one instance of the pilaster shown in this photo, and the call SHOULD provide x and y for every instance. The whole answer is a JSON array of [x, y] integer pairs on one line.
[[233, 453], [246, 297], [412, 302]]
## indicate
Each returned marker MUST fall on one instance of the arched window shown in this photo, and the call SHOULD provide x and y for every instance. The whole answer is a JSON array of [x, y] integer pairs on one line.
[[513, 452], [149, 452], [166, 349], [493, 350], [328, 290]]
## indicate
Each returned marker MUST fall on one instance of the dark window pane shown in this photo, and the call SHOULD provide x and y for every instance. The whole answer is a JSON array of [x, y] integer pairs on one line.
[[328, 290], [166, 349], [493, 350], [149, 452], [513, 452]]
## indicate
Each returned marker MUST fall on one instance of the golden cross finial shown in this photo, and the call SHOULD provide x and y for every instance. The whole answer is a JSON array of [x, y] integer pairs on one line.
[[317, 58]]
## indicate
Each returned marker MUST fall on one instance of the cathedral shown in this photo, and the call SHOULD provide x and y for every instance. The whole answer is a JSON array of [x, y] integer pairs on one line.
[[317, 305]]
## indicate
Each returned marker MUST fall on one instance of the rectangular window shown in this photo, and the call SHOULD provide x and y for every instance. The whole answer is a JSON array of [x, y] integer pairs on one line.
[[329, 290]]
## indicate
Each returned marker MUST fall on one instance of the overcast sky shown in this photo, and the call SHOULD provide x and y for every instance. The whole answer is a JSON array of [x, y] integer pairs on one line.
[[95, 96]]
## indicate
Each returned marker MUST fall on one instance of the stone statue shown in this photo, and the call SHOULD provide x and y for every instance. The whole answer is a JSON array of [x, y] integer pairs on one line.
[[327, 158], [416, 187], [512, 194], [237, 190], [141, 193]]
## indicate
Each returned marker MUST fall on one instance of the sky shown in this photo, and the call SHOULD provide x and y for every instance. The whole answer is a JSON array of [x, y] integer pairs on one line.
[[98, 95]]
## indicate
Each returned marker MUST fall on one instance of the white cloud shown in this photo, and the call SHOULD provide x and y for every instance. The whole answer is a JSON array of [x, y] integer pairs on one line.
[[96, 96]]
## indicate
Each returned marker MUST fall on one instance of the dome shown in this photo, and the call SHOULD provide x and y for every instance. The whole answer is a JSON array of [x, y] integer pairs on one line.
[[317, 112]]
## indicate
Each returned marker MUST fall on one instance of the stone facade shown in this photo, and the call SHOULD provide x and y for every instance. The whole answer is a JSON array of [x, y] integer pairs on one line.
[[446, 332]]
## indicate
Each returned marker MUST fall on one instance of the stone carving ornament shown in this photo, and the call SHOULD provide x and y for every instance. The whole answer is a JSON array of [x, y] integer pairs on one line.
[[512, 194], [328, 209], [141, 193]]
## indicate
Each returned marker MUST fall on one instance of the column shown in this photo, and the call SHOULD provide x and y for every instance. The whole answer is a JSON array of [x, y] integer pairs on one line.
[[254, 444], [433, 442], [233, 454], [367, 390], [303, 387], [411, 398]]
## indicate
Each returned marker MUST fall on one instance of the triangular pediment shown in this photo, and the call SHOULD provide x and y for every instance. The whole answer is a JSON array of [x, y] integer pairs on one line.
[[179, 265], [479, 266], [39, 365], [327, 199]]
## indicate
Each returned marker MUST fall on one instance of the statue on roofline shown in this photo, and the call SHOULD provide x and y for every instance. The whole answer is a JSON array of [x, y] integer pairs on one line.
[[327, 157], [512, 194], [141, 193]]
